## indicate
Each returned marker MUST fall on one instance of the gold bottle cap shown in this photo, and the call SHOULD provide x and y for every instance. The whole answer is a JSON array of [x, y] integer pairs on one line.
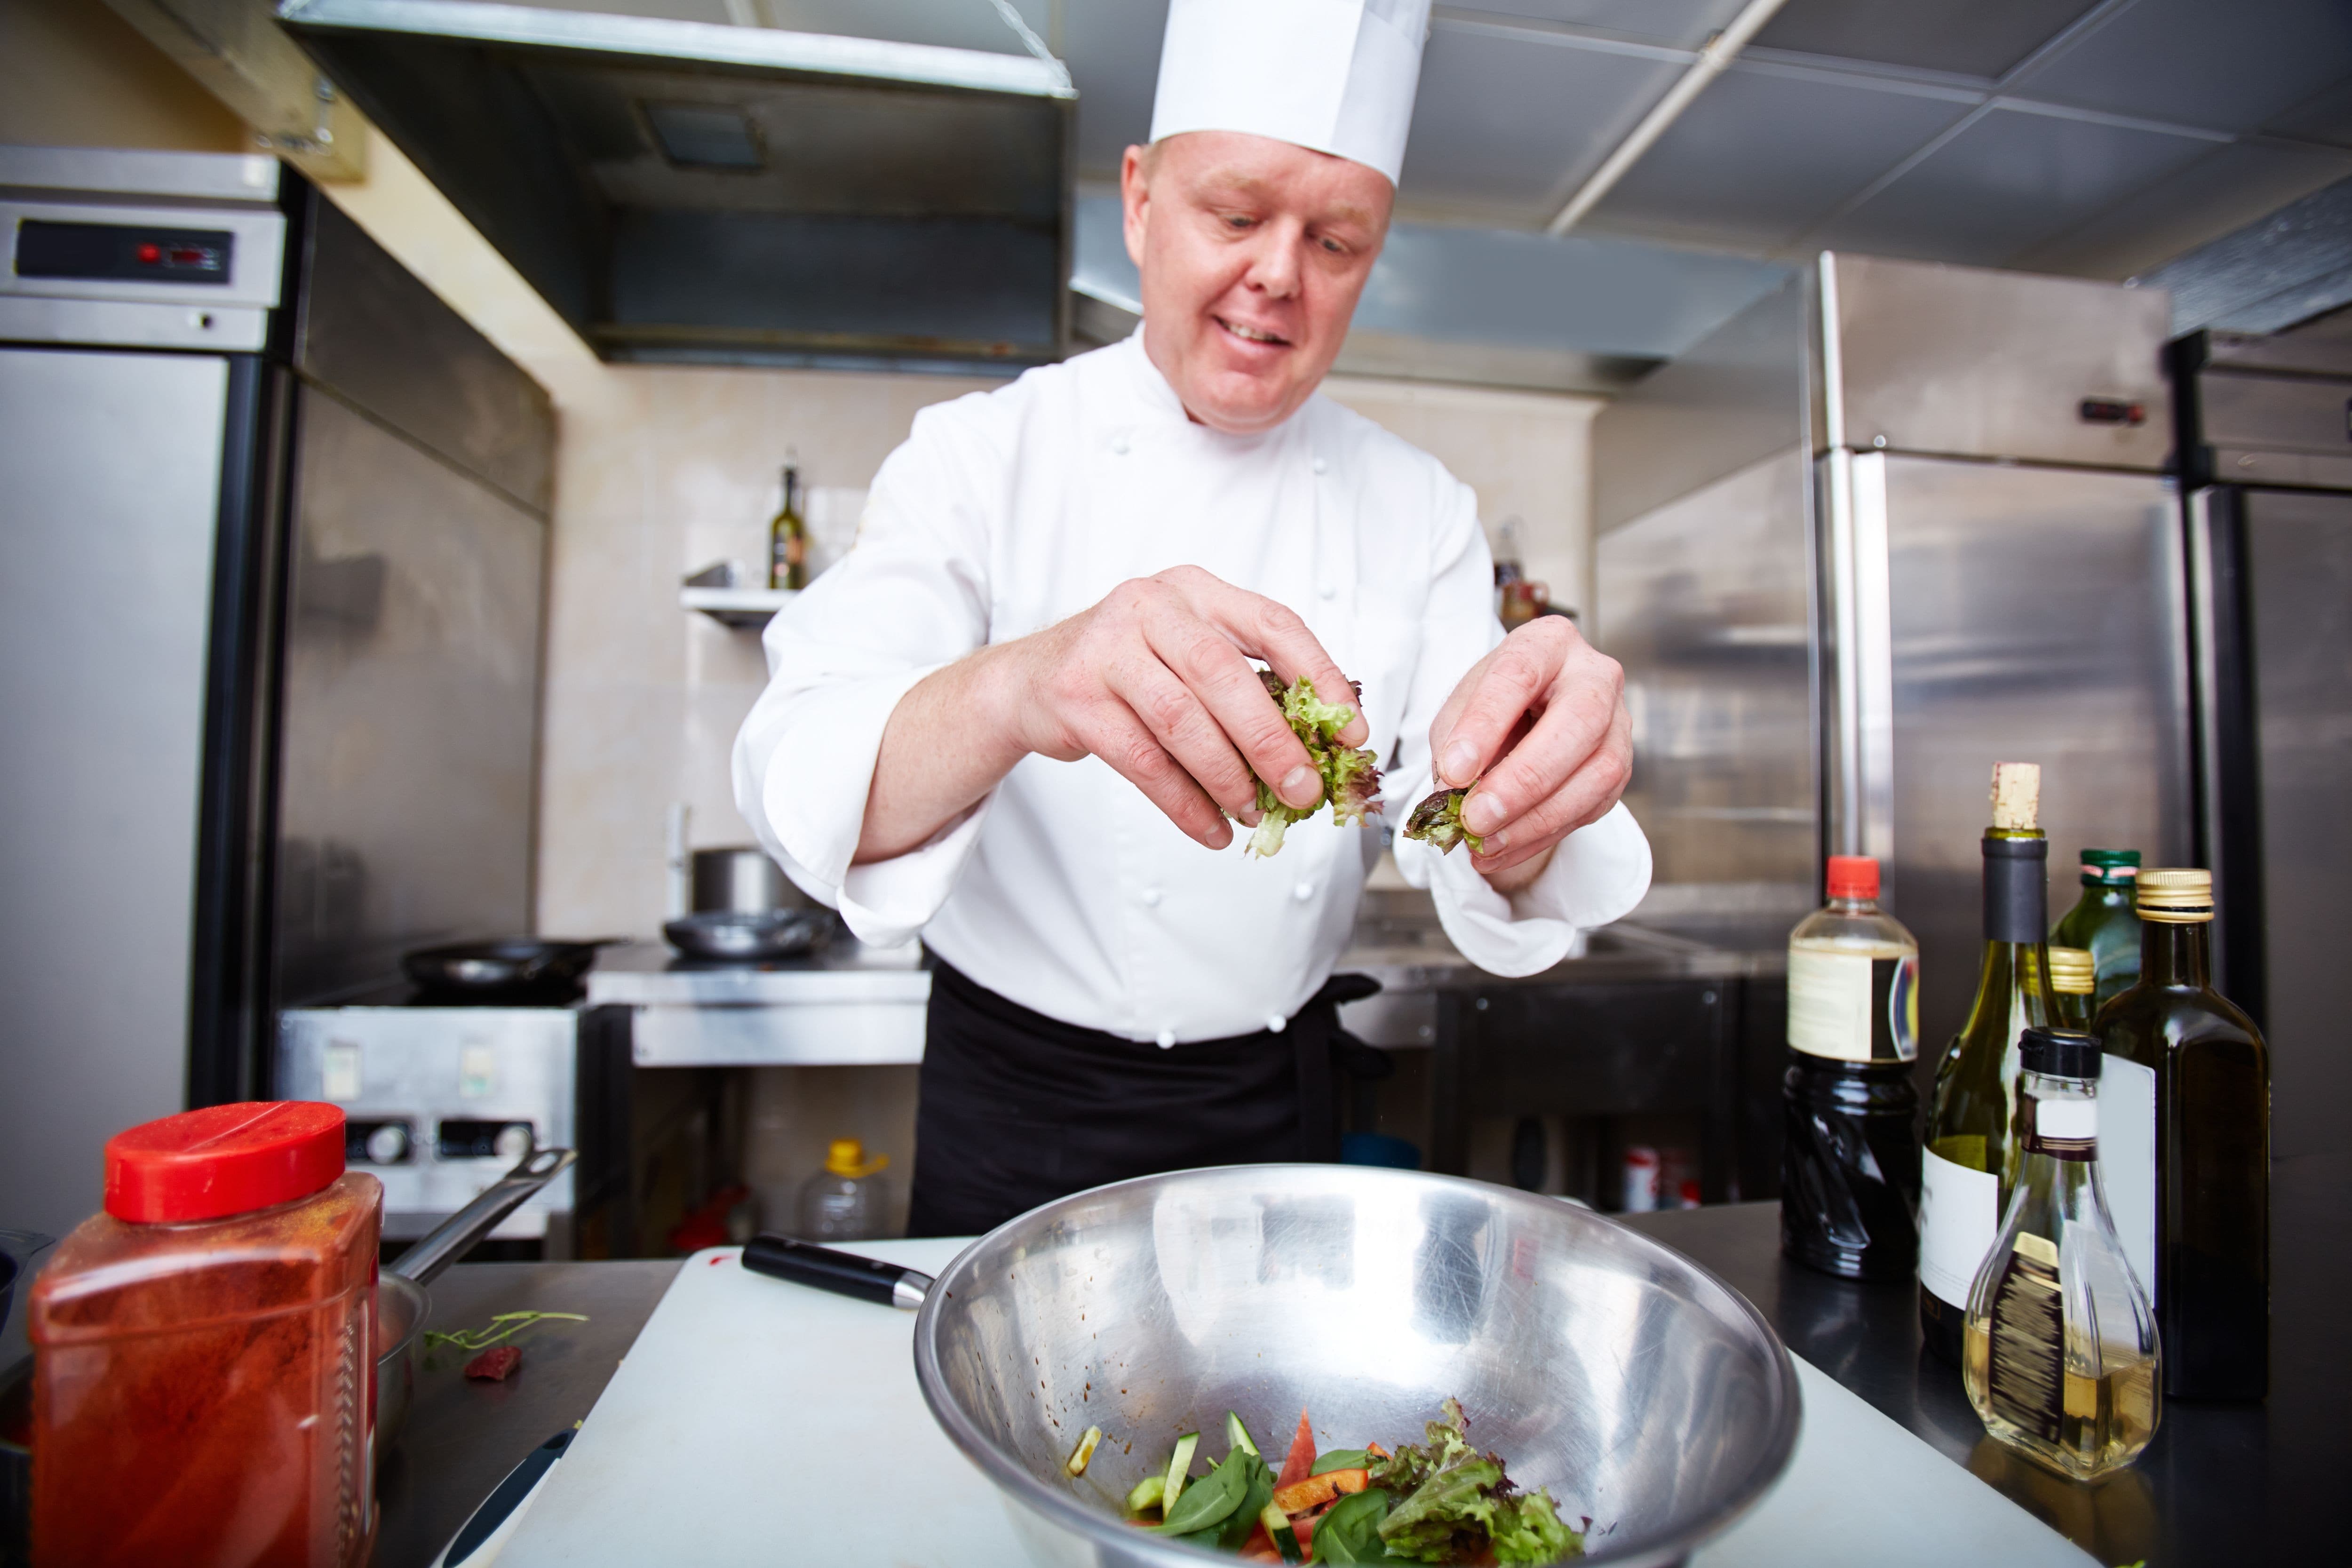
[[2175, 896], [2016, 796], [2072, 971]]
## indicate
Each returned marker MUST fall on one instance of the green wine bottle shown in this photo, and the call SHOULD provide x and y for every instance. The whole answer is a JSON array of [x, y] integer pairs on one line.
[[2184, 1153], [1970, 1154], [2102, 921]]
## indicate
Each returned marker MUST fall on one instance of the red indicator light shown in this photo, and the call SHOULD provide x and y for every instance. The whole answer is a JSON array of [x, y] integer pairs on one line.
[[188, 255], [148, 254]]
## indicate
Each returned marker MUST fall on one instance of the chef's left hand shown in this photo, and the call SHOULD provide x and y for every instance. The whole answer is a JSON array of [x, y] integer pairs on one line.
[[1537, 731]]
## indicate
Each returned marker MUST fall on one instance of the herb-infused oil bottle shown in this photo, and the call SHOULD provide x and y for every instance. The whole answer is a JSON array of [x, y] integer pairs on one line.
[[2061, 1347], [1970, 1158], [1850, 1160]]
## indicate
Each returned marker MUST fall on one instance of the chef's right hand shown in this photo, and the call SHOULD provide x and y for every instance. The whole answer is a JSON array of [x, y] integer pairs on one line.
[[1155, 681]]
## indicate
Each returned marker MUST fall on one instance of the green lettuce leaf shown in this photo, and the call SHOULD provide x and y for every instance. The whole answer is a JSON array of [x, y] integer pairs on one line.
[[1352, 774]]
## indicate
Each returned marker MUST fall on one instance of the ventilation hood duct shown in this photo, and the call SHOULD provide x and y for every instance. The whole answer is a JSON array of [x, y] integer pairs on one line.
[[683, 192]]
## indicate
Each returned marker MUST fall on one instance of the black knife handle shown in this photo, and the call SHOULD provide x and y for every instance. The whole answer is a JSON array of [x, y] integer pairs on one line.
[[842, 1273]]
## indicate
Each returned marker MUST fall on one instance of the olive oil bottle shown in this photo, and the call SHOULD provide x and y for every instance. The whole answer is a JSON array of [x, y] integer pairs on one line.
[[2102, 921], [1970, 1159], [2062, 1348], [2186, 1155]]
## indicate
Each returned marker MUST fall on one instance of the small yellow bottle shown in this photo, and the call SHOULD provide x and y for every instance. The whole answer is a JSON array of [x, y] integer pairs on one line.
[[2073, 983], [2061, 1351]]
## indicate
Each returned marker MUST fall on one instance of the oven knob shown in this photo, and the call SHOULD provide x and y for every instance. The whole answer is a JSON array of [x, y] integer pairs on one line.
[[514, 1140], [388, 1144]]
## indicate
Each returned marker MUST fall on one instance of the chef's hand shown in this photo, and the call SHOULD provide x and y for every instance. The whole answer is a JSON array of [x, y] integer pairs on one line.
[[1539, 732], [1155, 682]]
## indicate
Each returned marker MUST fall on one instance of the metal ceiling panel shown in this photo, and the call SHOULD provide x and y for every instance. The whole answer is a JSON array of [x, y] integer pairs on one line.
[[1507, 125], [1969, 37], [2008, 182], [2232, 185], [1761, 156], [1683, 23], [2227, 65]]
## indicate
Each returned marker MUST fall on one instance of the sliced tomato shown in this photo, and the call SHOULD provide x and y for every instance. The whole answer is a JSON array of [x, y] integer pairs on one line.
[[1301, 1458]]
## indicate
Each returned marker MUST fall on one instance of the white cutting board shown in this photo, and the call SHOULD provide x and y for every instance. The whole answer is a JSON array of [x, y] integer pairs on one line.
[[757, 1422]]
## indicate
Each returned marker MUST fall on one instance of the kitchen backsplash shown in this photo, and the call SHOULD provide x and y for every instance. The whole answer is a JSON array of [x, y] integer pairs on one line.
[[667, 471]]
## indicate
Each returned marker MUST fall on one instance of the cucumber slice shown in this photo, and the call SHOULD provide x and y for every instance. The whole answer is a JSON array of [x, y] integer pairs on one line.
[[1083, 1455], [1237, 1436], [1178, 1463], [1278, 1528], [1145, 1494]]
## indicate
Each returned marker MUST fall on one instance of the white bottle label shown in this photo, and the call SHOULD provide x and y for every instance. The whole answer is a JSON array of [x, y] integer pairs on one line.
[[1853, 1007], [2127, 1161], [1959, 1215]]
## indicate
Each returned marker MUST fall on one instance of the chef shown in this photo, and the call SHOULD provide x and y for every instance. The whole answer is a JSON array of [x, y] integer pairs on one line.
[[1021, 717]]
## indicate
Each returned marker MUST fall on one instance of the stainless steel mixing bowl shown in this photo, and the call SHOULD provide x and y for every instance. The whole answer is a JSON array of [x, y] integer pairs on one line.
[[1639, 1388]]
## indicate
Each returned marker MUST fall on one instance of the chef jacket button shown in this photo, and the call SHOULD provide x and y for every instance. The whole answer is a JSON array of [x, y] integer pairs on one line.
[[1118, 445], [1330, 590], [1275, 1023], [1304, 892], [1150, 898], [1167, 1039], [1321, 465]]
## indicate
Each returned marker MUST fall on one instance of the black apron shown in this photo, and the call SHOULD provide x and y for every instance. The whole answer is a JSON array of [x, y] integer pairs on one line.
[[1017, 1109]]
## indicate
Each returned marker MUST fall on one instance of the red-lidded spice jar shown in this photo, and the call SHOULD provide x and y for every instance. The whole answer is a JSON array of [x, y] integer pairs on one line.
[[204, 1369]]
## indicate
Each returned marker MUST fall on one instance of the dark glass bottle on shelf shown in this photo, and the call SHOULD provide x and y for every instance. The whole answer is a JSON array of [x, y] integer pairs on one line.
[[2102, 921], [1970, 1156], [1850, 1160], [2185, 1154], [788, 538]]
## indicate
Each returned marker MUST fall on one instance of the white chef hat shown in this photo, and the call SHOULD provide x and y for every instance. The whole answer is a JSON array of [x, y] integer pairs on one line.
[[1337, 76]]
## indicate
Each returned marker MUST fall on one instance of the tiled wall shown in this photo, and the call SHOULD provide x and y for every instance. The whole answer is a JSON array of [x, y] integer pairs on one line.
[[669, 470]]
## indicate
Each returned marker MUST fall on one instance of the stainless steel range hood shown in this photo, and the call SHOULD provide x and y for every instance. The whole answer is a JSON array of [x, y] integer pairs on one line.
[[684, 191]]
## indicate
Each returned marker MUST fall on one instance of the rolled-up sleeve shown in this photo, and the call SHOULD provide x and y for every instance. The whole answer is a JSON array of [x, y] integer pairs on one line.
[[1598, 872], [911, 597]]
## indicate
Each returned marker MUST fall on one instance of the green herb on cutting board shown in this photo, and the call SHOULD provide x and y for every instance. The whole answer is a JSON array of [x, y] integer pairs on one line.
[[506, 1325]]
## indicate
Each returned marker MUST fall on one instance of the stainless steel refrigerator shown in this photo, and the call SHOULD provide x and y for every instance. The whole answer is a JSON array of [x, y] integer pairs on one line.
[[274, 523], [1894, 523], [2265, 438]]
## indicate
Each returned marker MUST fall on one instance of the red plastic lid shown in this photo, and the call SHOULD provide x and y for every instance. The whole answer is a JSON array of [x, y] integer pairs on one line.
[[1852, 876], [223, 1159]]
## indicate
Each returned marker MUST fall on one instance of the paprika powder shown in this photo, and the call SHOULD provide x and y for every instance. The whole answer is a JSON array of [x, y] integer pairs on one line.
[[204, 1354]]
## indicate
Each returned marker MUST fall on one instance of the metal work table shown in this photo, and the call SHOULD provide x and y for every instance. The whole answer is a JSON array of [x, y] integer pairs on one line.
[[2221, 1484]]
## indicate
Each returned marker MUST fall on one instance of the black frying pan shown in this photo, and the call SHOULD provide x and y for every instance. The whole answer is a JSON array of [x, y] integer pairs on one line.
[[516, 968]]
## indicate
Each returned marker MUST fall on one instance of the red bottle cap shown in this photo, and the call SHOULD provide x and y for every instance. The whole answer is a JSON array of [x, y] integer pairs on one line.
[[1852, 876], [223, 1159]]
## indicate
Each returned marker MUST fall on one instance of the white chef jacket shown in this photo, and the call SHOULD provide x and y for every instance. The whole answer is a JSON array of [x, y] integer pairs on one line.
[[1066, 890]]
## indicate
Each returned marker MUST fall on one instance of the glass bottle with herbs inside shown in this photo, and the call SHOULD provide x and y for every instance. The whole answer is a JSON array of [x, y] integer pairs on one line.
[[1850, 1158], [2061, 1357], [1968, 1160], [2186, 1153], [2102, 921]]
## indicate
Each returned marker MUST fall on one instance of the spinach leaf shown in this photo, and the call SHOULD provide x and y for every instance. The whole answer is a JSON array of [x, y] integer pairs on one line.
[[1342, 1460], [1210, 1499], [1350, 1532], [1244, 1518]]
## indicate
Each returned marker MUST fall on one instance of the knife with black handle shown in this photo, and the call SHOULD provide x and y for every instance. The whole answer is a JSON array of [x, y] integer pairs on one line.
[[842, 1273]]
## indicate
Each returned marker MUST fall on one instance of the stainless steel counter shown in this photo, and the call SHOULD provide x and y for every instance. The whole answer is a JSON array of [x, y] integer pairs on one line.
[[856, 1005]]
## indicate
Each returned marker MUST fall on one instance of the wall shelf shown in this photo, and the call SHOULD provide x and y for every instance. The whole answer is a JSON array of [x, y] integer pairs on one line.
[[739, 609]]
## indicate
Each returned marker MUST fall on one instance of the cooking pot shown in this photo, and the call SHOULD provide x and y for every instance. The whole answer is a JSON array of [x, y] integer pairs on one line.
[[743, 879], [1634, 1384], [401, 1304]]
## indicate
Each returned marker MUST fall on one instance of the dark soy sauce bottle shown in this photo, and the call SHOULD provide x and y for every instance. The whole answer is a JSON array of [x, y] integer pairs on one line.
[[1850, 1160]]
